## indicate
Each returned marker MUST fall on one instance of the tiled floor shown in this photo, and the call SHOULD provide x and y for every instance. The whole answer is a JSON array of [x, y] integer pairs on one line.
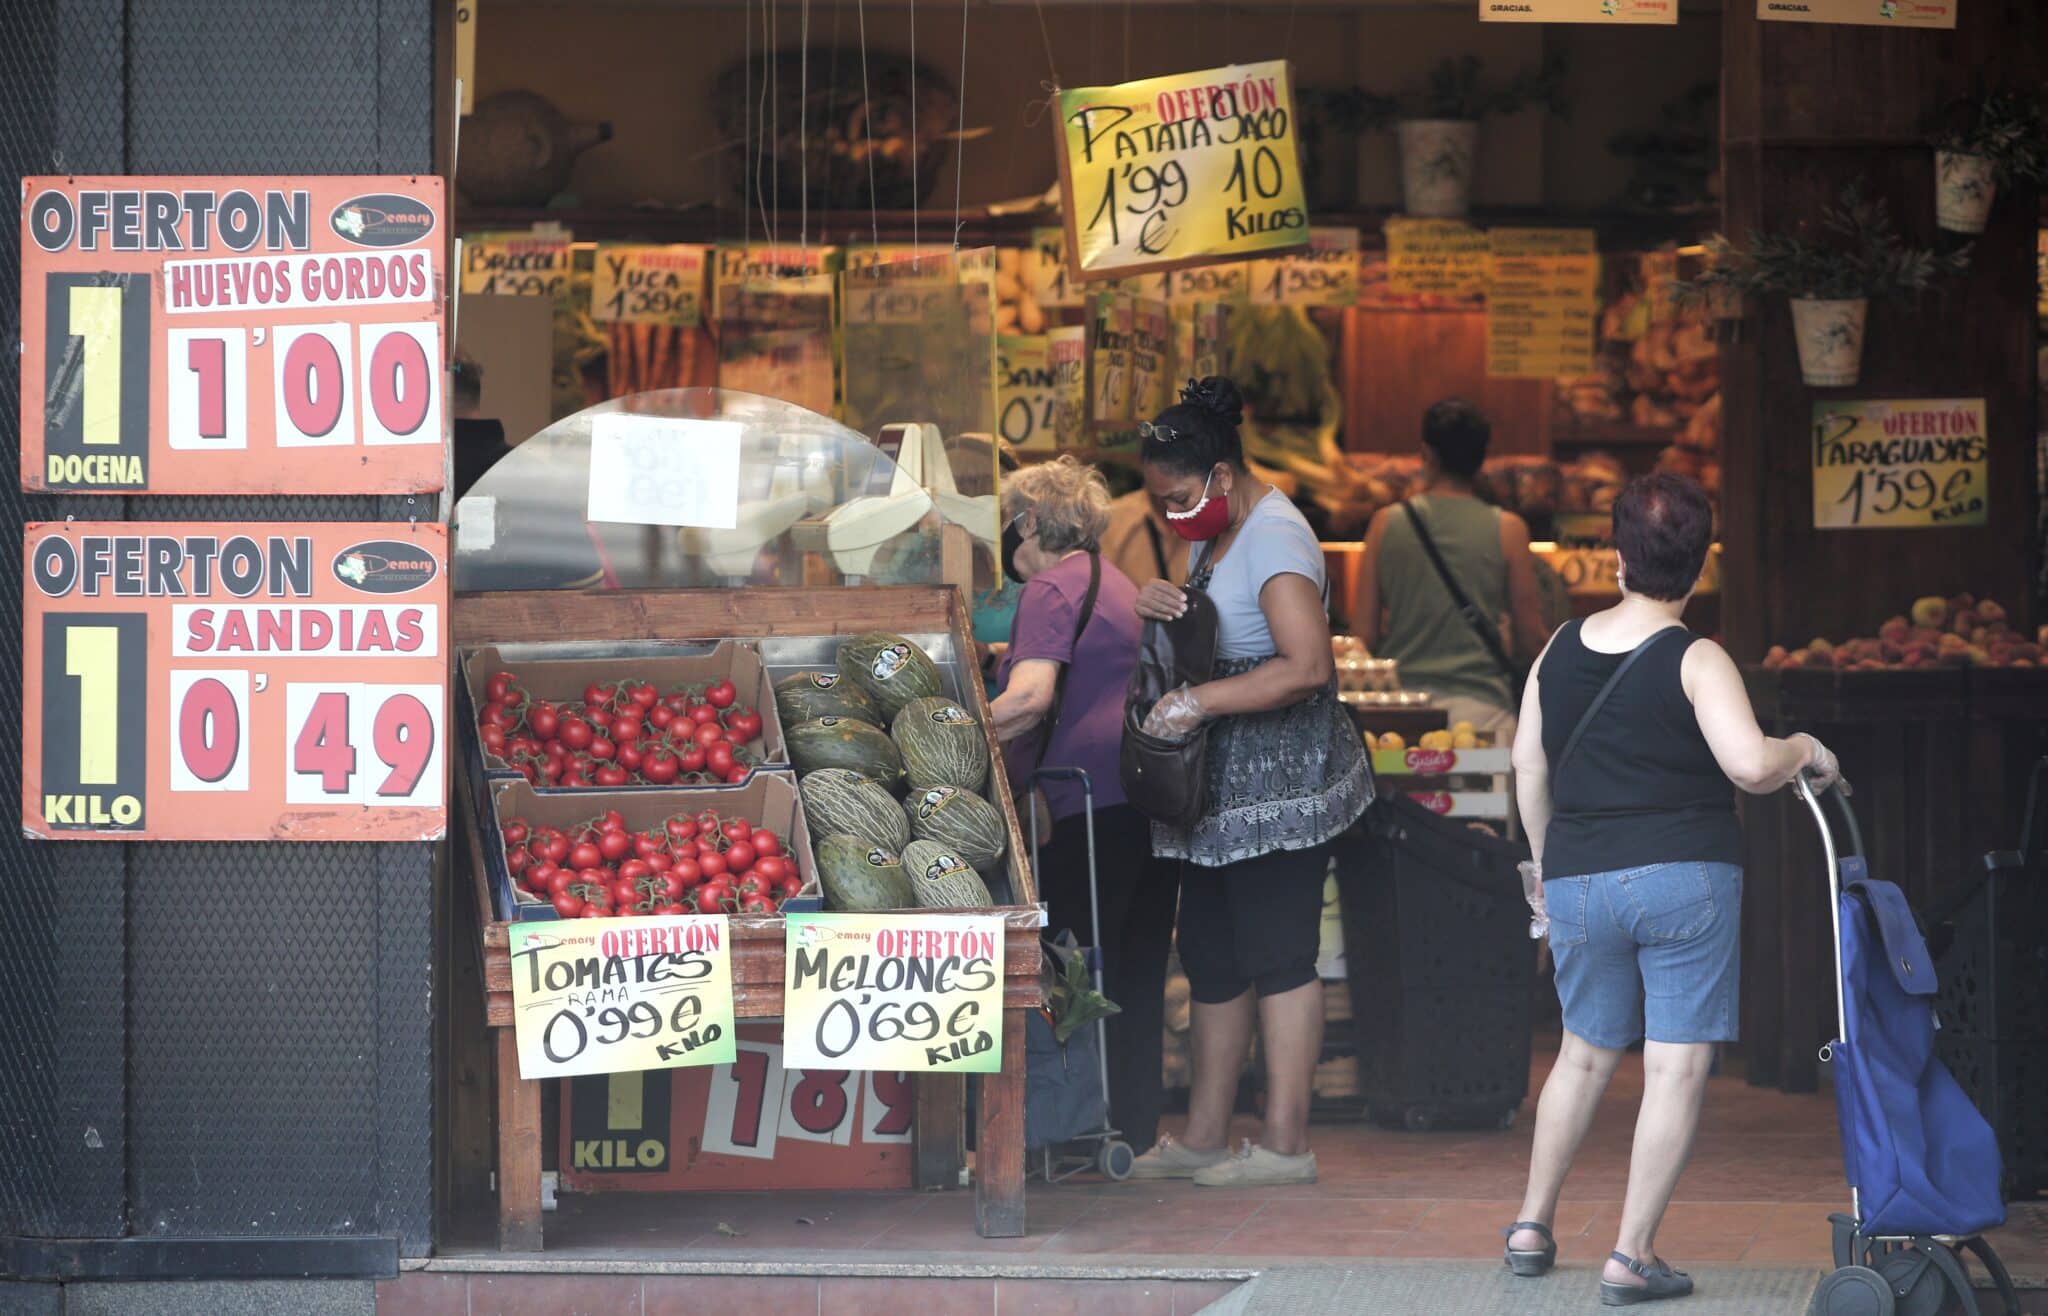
[[1764, 1175]]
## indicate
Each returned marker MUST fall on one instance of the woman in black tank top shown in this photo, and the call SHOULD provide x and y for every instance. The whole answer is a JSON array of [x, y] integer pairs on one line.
[[1635, 736]]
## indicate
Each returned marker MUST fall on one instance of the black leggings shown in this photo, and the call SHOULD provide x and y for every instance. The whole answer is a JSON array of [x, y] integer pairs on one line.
[[1136, 894]]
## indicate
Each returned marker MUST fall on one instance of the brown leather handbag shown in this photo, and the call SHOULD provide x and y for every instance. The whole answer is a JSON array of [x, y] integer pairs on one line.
[[1166, 780]]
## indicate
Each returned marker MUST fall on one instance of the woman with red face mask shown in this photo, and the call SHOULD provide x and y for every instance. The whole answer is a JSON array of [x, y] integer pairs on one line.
[[1287, 773]]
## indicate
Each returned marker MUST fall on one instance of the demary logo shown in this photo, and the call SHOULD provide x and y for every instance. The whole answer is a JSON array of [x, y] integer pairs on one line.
[[384, 566], [382, 220]]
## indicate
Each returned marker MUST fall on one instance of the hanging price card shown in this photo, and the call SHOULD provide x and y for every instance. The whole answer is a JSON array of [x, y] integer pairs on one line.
[[1578, 11], [517, 265], [1180, 170], [894, 992], [1900, 464], [1863, 13], [609, 995], [1445, 258], [200, 682], [1027, 398], [648, 285], [231, 335], [1066, 355], [1324, 275], [1542, 297]]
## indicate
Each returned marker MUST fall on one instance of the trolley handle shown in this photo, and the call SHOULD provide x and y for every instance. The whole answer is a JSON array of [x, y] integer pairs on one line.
[[1837, 793]]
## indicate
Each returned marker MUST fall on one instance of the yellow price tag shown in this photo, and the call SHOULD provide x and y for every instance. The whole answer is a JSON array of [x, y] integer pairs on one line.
[[894, 992], [604, 996]]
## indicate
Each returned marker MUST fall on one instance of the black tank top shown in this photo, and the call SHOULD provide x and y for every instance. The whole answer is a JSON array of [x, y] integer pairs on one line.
[[1642, 787]]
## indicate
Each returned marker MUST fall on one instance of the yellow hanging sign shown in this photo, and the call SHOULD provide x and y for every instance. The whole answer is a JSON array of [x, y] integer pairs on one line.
[[1903, 463], [896, 992], [604, 996], [648, 285], [1436, 258], [1180, 170], [1578, 11], [1862, 13], [1542, 298]]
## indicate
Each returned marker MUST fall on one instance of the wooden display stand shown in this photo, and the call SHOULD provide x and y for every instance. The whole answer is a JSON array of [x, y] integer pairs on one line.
[[757, 960]]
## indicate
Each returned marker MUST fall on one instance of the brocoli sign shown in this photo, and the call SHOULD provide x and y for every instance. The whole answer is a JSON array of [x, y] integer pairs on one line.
[[1180, 170], [231, 335], [610, 995], [894, 992]]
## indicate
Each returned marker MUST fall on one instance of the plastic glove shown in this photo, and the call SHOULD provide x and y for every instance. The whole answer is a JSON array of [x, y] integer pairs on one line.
[[1532, 891], [1825, 769], [1177, 716]]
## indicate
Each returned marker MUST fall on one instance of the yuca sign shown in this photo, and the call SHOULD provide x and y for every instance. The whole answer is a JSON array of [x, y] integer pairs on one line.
[[605, 996], [1180, 170], [894, 992], [201, 682], [231, 335]]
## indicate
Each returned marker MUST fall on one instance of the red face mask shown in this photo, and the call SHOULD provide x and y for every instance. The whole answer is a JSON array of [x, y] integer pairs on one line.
[[1205, 520]]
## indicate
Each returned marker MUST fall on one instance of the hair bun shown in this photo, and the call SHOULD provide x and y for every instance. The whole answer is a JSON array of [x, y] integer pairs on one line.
[[1217, 396]]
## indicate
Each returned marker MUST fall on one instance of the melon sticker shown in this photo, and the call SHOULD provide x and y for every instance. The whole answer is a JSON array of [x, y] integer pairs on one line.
[[824, 680], [880, 858], [950, 715], [944, 865], [890, 661], [933, 800]]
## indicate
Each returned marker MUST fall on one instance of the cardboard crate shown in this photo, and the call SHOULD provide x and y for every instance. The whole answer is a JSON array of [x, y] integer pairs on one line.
[[766, 799], [562, 680]]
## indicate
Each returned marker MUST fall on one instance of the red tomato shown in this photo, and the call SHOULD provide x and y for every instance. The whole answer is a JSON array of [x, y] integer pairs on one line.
[[789, 886], [646, 845], [543, 720], [557, 848], [626, 728], [568, 906], [493, 739], [601, 747], [692, 759], [499, 716], [612, 821], [712, 864], [516, 831], [612, 775], [766, 842], [644, 695], [753, 884], [585, 855], [498, 686], [600, 717], [757, 904], [659, 862], [687, 872], [661, 766], [736, 829], [708, 734], [722, 695], [739, 856], [718, 759], [714, 898], [576, 733], [681, 829], [630, 758], [773, 867], [614, 846], [660, 716], [558, 879], [677, 703], [597, 694], [632, 870], [517, 860], [737, 775], [669, 886], [703, 714], [744, 723]]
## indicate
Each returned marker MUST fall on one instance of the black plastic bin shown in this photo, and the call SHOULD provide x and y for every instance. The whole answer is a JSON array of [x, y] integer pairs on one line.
[[1437, 948]]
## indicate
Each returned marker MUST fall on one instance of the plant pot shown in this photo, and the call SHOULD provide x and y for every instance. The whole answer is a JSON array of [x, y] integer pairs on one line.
[[1437, 157], [1830, 335], [1964, 188]]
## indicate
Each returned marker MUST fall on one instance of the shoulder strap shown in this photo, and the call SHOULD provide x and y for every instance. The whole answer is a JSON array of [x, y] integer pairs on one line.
[[1059, 682], [1158, 549], [1481, 625], [1586, 718]]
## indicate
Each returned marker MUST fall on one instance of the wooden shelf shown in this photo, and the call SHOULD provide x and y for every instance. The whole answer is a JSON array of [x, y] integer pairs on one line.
[[1613, 436]]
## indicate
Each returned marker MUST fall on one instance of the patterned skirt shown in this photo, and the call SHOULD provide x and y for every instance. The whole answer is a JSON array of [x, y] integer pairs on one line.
[[1288, 779]]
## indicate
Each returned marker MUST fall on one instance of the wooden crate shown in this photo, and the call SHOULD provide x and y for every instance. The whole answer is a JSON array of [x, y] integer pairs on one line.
[[686, 616]]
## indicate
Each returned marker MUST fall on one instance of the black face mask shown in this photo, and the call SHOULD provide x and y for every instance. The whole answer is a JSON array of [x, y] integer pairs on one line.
[[1013, 539]]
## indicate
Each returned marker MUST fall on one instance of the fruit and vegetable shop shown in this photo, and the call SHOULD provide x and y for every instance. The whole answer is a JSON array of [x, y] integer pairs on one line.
[[663, 685]]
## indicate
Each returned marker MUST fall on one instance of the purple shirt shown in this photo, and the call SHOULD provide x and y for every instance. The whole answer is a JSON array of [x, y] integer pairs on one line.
[[1090, 733]]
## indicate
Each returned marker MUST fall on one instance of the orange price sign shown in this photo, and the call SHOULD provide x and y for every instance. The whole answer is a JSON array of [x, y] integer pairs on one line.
[[192, 681], [232, 335]]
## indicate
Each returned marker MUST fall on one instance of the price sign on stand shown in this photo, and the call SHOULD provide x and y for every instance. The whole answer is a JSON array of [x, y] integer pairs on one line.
[[611, 995], [1907, 463], [231, 335], [1180, 170], [909, 992], [200, 682], [648, 285]]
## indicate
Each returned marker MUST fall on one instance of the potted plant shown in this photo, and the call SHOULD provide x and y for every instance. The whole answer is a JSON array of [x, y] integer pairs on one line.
[[2005, 140], [1830, 280], [1438, 128]]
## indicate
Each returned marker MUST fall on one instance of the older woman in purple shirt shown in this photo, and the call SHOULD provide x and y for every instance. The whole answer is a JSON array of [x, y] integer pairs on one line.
[[1078, 616]]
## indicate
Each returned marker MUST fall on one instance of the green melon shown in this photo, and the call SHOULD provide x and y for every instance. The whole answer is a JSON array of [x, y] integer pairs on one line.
[[941, 879], [836, 800], [808, 696], [859, 875], [942, 744], [845, 742], [891, 669], [960, 821]]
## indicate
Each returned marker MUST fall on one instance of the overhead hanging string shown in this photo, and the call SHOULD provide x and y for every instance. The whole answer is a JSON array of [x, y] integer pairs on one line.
[[915, 195], [761, 123], [774, 58], [960, 138], [1052, 66], [748, 178], [803, 129], [1127, 40], [867, 122], [1287, 46]]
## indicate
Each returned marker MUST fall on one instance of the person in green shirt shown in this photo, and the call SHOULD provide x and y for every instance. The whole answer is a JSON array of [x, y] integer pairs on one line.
[[1405, 610]]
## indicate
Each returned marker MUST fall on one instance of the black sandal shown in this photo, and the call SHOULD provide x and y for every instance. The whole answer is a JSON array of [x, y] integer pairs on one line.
[[1529, 1265], [1661, 1282]]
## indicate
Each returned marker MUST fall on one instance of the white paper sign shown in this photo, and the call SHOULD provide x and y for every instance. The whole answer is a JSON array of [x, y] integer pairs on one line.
[[661, 470]]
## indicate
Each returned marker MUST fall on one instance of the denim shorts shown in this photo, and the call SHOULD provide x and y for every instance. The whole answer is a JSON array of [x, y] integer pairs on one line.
[[1653, 951]]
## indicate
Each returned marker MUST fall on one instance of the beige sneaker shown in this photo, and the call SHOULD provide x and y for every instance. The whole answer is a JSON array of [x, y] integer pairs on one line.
[[1171, 1160], [1255, 1167]]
